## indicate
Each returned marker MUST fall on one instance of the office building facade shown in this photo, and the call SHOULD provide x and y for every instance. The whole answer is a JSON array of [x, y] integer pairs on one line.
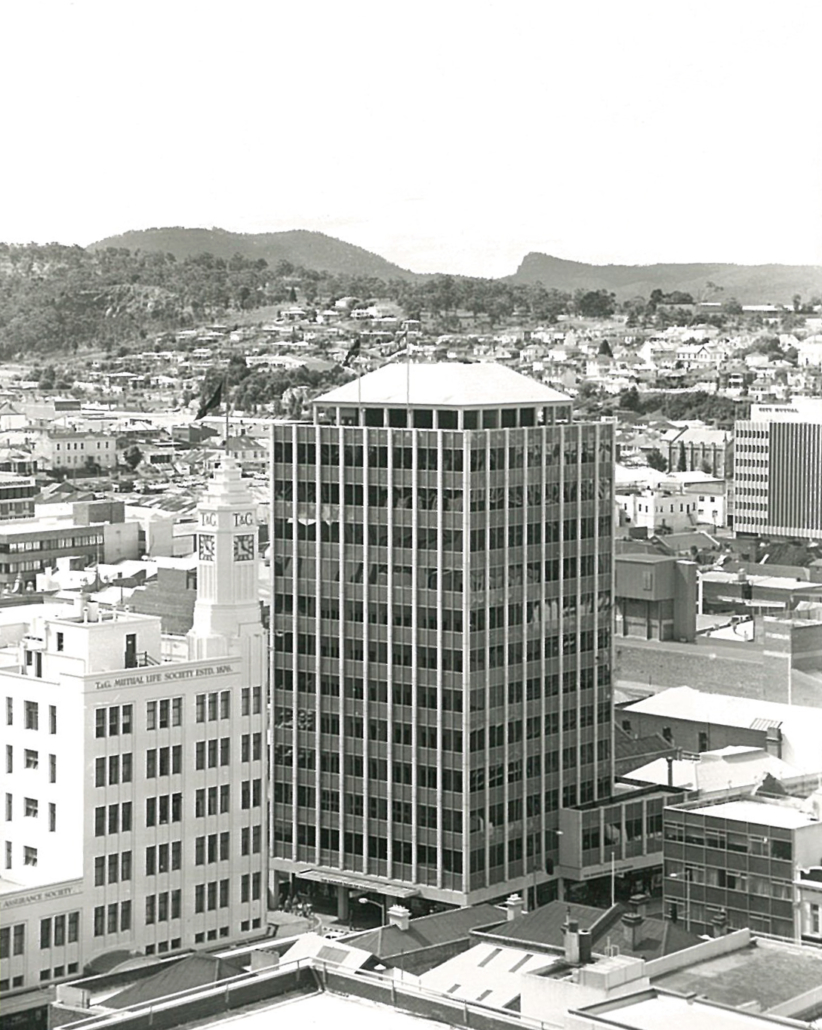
[[135, 813], [777, 458], [441, 649]]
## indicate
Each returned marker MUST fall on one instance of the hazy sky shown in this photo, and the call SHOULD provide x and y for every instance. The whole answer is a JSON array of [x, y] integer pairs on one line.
[[446, 135]]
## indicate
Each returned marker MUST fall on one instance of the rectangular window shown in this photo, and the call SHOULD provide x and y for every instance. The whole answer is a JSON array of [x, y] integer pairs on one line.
[[200, 708], [9, 758], [31, 759], [225, 704], [52, 718], [99, 870], [125, 915], [32, 715], [30, 808], [29, 856], [74, 927], [176, 711], [45, 933], [52, 768], [151, 715], [9, 711], [59, 931], [52, 817], [99, 921]]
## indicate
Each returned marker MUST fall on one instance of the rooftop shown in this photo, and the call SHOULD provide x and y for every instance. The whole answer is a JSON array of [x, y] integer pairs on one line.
[[655, 1010], [445, 384], [764, 813], [766, 973]]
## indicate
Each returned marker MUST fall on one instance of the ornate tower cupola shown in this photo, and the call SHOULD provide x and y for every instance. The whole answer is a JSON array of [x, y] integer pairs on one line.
[[227, 607]]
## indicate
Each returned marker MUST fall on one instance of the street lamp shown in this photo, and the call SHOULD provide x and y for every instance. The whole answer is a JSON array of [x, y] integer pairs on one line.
[[687, 880], [376, 904]]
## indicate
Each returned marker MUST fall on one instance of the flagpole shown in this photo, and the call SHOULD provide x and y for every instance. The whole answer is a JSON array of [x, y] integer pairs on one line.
[[227, 410]]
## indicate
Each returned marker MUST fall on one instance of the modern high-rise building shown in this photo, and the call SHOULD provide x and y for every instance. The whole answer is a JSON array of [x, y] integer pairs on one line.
[[777, 462], [441, 632], [135, 817]]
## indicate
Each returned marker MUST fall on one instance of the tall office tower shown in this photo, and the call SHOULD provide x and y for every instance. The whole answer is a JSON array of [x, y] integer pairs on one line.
[[135, 812], [777, 463], [441, 578]]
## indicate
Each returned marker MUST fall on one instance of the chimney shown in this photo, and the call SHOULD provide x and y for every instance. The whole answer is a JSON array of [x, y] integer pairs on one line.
[[398, 916], [719, 923], [571, 940], [639, 903], [631, 925], [586, 946], [515, 906]]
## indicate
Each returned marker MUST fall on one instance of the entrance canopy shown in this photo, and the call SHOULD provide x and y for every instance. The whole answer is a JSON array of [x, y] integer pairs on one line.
[[361, 883]]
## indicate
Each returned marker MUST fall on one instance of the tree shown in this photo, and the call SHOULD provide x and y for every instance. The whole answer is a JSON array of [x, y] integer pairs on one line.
[[605, 349], [656, 460], [132, 456], [682, 464], [595, 303], [630, 400]]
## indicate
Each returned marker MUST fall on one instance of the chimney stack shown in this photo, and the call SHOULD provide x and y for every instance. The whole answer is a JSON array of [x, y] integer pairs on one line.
[[515, 906], [571, 941], [631, 925], [719, 923], [398, 916], [639, 904]]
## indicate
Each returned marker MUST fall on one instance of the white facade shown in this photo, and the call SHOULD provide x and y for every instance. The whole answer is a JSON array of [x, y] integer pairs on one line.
[[657, 510], [140, 779]]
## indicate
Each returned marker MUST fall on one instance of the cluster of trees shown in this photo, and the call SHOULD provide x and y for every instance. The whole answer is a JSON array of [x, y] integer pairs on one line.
[[684, 405], [281, 391], [58, 298]]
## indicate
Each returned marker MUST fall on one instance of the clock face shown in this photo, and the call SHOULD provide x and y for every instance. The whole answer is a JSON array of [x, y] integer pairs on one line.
[[244, 547], [206, 547]]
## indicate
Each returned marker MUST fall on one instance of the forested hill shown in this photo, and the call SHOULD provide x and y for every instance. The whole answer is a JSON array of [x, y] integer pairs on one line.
[[298, 247], [749, 284]]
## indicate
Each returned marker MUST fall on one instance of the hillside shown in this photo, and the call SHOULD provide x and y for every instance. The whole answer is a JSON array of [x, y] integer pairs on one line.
[[299, 247], [750, 284]]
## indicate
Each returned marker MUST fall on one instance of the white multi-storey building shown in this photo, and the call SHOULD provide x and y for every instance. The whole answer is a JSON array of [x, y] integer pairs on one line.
[[777, 457], [135, 815]]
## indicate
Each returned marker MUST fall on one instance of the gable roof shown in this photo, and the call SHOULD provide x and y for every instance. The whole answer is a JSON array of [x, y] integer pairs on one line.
[[544, 927], [427, 931], [197, 970]]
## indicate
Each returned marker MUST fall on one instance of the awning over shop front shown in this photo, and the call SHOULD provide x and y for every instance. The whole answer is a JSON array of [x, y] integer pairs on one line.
[[360, 883]]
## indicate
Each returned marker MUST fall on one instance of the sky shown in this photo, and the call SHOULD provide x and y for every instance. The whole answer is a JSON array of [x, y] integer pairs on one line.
[[445, 135]]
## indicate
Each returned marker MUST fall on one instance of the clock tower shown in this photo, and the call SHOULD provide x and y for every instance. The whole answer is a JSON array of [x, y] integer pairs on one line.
[[227, 612]]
